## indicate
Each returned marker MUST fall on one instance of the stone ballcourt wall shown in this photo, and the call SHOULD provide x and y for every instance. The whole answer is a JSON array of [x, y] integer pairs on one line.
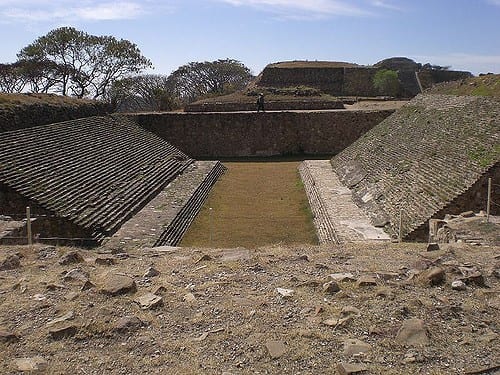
[[216, 135]]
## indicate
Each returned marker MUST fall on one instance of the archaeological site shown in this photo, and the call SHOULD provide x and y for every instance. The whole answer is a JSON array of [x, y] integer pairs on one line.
[[402, 193]]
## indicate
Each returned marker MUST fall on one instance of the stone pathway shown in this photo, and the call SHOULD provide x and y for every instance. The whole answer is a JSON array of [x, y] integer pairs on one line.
[[147, 225], [337, 218]]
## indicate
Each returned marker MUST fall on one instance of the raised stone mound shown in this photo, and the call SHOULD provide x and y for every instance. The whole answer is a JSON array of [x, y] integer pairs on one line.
[[84, 178], [431, 157]]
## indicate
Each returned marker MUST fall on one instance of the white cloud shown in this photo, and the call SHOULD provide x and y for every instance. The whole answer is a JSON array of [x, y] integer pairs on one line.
[[65, 10], [303, 8]]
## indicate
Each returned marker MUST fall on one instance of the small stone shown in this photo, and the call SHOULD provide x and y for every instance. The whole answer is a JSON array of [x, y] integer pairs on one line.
[[471, 275], [87, 285], [350, 368], [189, 297], [467, 214], [458, 285], [118, 284], [11, 262], [151, 272], [71, 258], [432, 276], [386, 275], [412, 333], [342, 277], [149, 301], [105, 261], [128, 323], [304, 257], [285, 292], [68, 316], [366, 281], [204, 258], [7, 336], [71, 296], [76, 274], [35, 364], [384, 292], [63, 330], [350, 311], [355, 347], [276, 349], [433, 246], [331, 287], [47, 252]]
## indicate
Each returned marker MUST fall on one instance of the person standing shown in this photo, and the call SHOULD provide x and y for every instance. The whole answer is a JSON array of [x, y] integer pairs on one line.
[[260, 103]]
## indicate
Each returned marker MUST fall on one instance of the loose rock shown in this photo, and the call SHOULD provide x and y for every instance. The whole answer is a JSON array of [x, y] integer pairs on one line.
[[34, 364], [149, 301], [433, 276], [7, 336], [105, 261], [412, 333], [63, 330], [118, 284], [366, 281], [151, 272], [76, 274], [355, 347], [458, 285], [433, 246], [350, 368], [342, 277], [71, 258], [276, 349], [331, 287], [11, 262], [285, 292], [128, 323]]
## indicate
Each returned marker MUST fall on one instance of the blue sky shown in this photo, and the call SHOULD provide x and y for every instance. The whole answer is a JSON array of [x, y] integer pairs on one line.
[[462, 33]]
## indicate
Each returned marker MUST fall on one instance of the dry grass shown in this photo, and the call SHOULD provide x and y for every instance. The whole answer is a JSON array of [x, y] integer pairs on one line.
[[487, 85], [30, 99], [254, 204]]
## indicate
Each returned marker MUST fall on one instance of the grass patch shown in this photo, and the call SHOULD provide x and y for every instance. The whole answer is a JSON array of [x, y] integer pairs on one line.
[[254, 204]]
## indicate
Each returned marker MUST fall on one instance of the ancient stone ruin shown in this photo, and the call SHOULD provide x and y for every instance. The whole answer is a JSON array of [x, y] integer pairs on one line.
[[84, 178]]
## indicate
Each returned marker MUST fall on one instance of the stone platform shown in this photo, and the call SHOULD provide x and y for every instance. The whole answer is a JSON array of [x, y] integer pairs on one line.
[[336, 217], [165, 219]]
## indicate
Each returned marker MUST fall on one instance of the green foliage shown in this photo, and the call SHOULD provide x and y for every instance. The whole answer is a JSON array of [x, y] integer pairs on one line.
[[69, 61], [386, 82], [485, 156], [197, 80]]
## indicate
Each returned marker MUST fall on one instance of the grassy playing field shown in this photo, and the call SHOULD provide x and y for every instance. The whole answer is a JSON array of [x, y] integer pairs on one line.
[[254, 204]]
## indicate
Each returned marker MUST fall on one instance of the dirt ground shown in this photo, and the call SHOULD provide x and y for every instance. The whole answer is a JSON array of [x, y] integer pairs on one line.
[[254, 204], [272, 310]]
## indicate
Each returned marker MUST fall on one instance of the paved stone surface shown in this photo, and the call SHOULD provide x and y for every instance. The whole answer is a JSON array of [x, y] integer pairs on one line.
[[148, 224], [349, 222]]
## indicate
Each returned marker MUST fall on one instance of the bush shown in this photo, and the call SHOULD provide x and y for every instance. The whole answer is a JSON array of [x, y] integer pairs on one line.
[[386, 82]]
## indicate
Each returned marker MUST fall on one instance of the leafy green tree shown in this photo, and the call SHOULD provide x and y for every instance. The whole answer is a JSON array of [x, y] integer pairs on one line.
[[195, 80], [386, 82], [83, 64]]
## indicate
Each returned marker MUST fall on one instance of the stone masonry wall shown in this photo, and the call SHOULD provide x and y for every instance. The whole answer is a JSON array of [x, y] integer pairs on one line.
[[215, 135], [15, 117]]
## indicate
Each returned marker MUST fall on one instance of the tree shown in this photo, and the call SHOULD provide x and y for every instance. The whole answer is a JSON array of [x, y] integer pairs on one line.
[[12, 79], [148, 92], [82, 64], [386, 82], [200, 79]]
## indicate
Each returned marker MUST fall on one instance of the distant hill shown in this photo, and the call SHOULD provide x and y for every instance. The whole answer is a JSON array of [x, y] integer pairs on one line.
[[485, 85]]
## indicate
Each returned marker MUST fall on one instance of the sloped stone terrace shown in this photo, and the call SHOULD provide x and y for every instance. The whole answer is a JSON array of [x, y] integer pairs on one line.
[[424, 158], [94, 172]]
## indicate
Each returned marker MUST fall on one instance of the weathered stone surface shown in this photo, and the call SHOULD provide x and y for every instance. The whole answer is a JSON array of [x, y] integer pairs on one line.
[[68, 316], [412, 333], [342, 277], [60, 331], [118, 284], [32, 365], [71, 258], [151, 272], [331, 287], [355, 347], [8, 336], [458, 285], [467, 214], [471, 275], [128, 323], [285, 292], [433, 276], [365, 281], [350, 368], [189, 297], [76, 274], [276, 349], [433, 246], [149, 301], [105, 261], [10, 262]]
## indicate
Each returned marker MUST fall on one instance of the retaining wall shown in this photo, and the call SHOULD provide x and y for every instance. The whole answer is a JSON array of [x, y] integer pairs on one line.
[[216, 135]]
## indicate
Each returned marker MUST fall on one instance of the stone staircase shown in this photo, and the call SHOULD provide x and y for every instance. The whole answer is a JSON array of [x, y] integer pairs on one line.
[[422, 159], [95, 172], [173, 233]]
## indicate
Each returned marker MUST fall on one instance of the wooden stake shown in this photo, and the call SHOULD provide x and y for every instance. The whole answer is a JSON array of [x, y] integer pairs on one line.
[[28, 226], [400, 236], [489, 201]]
